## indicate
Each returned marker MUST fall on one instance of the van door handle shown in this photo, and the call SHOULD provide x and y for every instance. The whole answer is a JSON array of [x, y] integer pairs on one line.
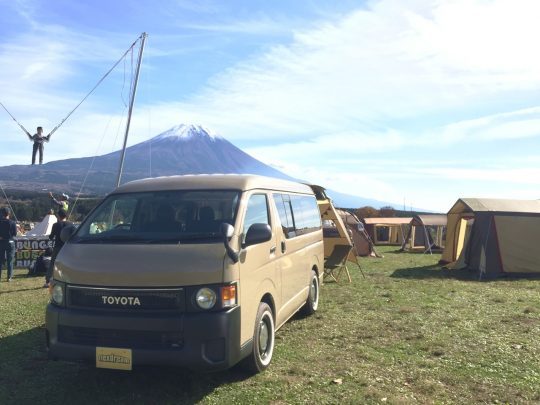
[[283, 247], [272, 250]]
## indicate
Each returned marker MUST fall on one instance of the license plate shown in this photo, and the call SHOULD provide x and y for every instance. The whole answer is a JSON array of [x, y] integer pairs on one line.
[[112, 357]]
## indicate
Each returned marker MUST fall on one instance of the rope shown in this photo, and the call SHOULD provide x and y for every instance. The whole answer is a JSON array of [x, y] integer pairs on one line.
[[9, 204], [101, 142], [14, 119], [91, 166], [147, 89], [85, 97], [97, 84]]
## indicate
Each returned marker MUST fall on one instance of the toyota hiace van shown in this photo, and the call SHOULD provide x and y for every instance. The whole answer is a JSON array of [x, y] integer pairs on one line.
[[197, 271]]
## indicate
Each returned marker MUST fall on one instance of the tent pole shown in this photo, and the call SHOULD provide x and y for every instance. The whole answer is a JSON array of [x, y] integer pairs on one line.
[[427, 239]]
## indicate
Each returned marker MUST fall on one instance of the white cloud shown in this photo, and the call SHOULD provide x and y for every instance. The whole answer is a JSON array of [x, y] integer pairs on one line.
[[523, 123], [397, 60], [515, 176]]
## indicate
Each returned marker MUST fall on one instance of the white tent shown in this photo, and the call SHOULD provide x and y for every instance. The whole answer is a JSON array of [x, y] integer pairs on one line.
[[44, 227], [34, 242]]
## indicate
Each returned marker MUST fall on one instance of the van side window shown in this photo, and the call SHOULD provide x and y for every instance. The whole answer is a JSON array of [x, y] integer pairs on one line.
[[256, 212], [299, 214], [307, 217], [283, 205]]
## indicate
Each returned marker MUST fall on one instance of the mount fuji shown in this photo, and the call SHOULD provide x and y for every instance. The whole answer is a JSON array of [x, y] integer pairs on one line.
[[183, 149]]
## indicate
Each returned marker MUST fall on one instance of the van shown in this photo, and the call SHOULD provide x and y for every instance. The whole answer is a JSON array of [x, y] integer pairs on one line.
[[197, 271]]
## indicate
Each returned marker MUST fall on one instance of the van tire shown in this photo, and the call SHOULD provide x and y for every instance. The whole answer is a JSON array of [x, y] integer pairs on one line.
[[312, 302], [263, 341]]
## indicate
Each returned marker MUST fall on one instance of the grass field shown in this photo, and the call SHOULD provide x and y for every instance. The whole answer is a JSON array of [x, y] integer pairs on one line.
[[407, 332]]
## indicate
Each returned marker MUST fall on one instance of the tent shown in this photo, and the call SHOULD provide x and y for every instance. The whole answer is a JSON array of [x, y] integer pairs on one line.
[[387, 231], [493, 236], [44, 227], [426, 234], [363, 244], [34, 242]]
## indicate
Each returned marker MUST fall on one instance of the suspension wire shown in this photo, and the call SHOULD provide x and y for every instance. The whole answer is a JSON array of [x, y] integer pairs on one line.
[[14, 119], [85, 97], [123, 84], [147, 90], [105, 132], [72, 111], [9, 204], [91, 165], [97, 84]]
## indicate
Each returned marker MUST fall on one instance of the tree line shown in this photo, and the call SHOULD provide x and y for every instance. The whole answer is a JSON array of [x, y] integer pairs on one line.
[[33, 206], [383, 212]]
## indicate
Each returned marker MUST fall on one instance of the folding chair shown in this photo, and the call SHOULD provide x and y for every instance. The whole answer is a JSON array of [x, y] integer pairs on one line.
[[337, 262]]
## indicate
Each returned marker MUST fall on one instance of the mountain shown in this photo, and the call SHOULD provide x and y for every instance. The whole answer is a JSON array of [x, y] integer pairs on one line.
[[183, 149]]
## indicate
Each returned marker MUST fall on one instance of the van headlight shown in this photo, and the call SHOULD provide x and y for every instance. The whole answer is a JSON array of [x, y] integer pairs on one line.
[[206, 298], [57, 293]]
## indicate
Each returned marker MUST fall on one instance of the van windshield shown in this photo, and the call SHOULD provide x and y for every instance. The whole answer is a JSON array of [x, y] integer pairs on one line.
[[184, 216]]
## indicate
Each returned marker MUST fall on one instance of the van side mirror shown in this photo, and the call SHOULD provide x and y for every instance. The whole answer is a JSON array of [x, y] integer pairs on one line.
[[67, 233], [258, 233], [227, 231]]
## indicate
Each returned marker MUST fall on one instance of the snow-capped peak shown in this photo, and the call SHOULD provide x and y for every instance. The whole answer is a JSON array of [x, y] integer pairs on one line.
[[187, 131]]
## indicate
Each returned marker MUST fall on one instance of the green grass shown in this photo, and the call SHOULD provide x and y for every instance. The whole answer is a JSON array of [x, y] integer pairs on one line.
[[407, 332]]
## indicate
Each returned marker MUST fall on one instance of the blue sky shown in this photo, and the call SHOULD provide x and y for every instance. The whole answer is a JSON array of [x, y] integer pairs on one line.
[[416, 102]]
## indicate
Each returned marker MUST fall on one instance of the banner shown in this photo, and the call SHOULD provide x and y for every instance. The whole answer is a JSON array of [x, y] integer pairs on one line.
[[28, 250]]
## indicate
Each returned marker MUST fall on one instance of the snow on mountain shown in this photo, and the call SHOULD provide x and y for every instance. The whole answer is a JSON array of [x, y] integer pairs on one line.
[[186, 132]]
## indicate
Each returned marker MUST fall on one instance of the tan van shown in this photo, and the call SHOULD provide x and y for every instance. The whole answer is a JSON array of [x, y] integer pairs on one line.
[[197, 271]]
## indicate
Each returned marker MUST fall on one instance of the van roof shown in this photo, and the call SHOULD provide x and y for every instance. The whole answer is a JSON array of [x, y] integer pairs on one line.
[[242, 182]]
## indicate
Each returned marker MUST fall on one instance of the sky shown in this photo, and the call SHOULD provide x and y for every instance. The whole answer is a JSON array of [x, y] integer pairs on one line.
[[414, 102]]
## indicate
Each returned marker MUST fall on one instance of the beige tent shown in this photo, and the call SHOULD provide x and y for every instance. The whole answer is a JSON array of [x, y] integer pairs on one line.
[[426, 234], [387, 231], [363, 245], [493, 236]]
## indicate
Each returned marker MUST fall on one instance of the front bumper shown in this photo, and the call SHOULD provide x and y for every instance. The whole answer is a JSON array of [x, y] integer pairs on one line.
[[207, 341]]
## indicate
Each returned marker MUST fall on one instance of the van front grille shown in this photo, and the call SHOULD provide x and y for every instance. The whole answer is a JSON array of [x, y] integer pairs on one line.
[[125, 299], [128, 339]]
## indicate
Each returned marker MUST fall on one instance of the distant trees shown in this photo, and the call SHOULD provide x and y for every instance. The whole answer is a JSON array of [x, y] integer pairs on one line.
[[32, 207], [387, 212], [366, 212], [370, 212]]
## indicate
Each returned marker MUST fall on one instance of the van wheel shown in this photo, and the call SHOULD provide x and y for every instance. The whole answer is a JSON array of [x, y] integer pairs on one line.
[[312, 302], [263, 341]]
